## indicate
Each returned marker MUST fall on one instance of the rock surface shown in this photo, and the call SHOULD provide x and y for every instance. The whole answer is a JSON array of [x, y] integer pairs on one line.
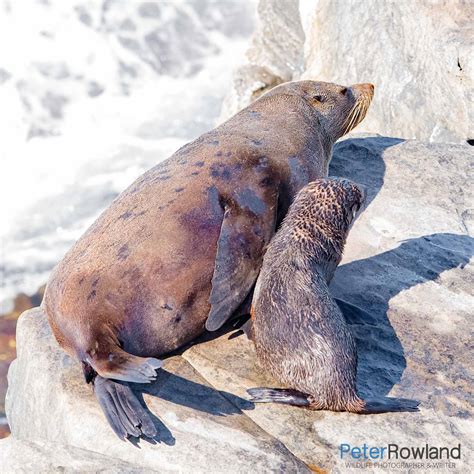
[[275, 54], [417, 53], [49, 404], [406, 287], [23, 456], [21, 303]]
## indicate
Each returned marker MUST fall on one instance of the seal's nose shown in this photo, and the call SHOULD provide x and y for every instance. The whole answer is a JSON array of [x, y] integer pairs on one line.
[[364, 88]]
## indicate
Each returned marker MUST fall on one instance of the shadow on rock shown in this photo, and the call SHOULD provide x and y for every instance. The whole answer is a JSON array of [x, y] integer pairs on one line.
[[185, 392], [163, 435], [381, 355], [360, 159]]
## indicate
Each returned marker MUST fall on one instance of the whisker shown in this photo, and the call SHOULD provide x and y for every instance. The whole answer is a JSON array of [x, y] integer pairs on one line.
[[352, 117], [349, 119], [357, 113]]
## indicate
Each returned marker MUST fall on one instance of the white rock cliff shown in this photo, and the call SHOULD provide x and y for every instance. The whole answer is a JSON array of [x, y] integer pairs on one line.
[[418, 54]]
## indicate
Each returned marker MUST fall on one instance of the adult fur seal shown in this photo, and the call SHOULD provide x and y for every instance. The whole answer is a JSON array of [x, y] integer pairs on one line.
[[181, 248], [300, 334]]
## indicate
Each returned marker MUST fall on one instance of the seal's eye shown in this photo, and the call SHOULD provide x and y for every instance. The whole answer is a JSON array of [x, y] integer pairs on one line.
[[355, 209], [318, 98], [344, 91]]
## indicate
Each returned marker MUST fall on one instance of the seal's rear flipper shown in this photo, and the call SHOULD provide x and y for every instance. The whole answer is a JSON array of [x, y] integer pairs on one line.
[[279, 395], [122, 409], [386, 404], [120, 365]]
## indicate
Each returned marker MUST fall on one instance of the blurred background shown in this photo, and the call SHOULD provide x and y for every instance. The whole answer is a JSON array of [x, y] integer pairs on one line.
[[95, 92]]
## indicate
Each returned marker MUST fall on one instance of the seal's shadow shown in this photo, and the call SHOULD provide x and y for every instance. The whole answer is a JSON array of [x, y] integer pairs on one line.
[[360, 159], [182, 391], [200, 397], [381, 357]]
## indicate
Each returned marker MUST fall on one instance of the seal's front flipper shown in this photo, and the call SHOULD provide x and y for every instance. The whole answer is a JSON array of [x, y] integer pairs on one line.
[[243, 328], [247, 328], [123, 411], [240, 249], [279, 395]]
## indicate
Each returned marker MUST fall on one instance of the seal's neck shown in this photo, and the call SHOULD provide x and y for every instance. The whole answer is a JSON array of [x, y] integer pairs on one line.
[[317, 247], [327, 269], [326, 248]]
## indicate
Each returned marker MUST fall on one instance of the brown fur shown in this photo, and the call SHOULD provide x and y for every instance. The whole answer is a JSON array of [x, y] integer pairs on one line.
[[138, 282], [300, 334]]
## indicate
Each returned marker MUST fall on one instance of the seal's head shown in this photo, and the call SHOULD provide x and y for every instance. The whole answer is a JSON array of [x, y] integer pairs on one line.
[[339, 108], [321, 216], [330, 203]]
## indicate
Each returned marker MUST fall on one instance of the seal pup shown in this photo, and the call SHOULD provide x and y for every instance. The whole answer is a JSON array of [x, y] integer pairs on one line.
[[181, 248], [299, 332]]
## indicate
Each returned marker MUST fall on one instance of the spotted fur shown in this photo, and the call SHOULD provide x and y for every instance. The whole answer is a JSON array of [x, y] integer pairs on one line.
[[300, 334]]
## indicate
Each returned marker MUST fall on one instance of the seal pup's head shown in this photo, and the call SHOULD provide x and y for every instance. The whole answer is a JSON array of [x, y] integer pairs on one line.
[[320, 218], [339, 109]]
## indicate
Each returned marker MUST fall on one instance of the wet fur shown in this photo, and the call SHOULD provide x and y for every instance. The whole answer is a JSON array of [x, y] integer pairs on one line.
[[300, 334]]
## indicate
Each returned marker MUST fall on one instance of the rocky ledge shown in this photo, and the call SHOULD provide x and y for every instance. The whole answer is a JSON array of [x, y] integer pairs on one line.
[[405, 285]]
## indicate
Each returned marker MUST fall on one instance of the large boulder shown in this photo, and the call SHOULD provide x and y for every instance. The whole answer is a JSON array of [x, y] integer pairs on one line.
[[275, 54], [417, 53], [50, 407], [406, 288]]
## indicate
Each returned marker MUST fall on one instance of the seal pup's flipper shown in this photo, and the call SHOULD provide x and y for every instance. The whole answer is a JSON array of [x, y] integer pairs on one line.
[[279, 395], [359, 406], [387, 404], [123, 411], [239, 256]]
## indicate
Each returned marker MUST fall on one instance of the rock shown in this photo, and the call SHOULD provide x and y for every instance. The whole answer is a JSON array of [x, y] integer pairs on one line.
[[406, 288], [21, 303], [22, 456], [7, 354], [418, 54], [200, 429], [275, 54]]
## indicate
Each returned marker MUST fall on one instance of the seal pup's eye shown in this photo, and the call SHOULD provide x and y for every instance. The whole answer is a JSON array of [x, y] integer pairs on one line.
[[344, 91], [318, 98], [355, 210]]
